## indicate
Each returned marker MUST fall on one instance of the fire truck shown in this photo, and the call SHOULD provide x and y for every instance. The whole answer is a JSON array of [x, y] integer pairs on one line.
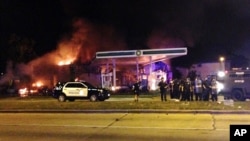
[[236, 84]]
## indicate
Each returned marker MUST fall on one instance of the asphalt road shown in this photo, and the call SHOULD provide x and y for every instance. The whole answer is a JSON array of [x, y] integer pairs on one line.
[[117, 126]]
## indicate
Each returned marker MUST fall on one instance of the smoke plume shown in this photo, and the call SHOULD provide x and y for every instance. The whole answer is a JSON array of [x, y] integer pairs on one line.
[[78, 46]]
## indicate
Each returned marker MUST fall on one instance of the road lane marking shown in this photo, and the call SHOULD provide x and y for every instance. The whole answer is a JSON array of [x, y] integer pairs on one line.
[[118, 127]]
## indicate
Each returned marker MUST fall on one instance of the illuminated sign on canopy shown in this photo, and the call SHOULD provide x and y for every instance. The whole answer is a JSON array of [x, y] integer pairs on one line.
[[144, 52]]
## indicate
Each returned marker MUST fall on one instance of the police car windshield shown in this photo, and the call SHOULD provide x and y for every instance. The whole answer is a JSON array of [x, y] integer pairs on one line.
[[89, 85]]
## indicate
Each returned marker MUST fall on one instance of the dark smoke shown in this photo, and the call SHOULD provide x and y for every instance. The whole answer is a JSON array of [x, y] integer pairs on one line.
[[79, 46]]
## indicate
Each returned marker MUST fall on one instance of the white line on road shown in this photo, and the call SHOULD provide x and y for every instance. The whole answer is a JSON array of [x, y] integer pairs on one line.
[[103, 126]]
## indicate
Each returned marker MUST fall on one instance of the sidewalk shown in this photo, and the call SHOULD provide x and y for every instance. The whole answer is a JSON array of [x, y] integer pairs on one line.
[[129, 111]]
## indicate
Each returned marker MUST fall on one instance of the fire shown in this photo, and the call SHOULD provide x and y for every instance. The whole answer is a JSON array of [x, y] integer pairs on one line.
[[67, 60], [63, 63], [23, 91], [37, 84]]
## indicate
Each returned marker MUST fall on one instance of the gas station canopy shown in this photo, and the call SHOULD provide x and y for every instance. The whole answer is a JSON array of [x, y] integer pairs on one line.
[[144, 56], [136, 57]]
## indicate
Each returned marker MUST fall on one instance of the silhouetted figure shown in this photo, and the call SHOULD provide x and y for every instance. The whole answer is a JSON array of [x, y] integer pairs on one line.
[[163, 89], [214, 96], [187, 90], [198, 89], [136, 90], [206, 90]]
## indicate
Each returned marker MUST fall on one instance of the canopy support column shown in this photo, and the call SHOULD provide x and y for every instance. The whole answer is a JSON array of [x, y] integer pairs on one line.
[[137, 68], [151, 67], [114, 73]]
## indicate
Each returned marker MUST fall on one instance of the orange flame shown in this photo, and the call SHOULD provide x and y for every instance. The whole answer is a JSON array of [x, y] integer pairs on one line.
[[37, 84], [65, 62]]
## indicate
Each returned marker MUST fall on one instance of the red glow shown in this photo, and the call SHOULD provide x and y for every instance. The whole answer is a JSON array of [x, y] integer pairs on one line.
[[37, 84], [23, 91], [63, 63]]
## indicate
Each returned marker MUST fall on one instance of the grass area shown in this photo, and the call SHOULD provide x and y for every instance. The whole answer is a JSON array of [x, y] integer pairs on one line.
[[148, 101]]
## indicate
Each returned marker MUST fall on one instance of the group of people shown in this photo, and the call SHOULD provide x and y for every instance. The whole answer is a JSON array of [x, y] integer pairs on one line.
[[197, 90], [185, 89]]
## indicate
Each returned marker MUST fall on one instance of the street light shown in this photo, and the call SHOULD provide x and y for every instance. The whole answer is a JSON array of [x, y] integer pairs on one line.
[[222, 59], [221, 72], [222, 63]]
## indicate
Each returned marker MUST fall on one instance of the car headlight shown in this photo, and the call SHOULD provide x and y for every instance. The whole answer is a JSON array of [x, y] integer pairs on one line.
[[221, 74]]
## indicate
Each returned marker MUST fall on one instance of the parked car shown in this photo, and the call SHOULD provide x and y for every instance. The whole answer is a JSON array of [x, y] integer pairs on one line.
[[45, 91], [79, 90]]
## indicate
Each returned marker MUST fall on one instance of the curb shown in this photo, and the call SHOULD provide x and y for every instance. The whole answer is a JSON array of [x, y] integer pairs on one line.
[[131, 111]]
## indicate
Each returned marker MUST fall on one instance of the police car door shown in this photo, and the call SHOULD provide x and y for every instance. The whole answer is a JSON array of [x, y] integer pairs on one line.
[[71, 89], [82, 90], [75, 89]]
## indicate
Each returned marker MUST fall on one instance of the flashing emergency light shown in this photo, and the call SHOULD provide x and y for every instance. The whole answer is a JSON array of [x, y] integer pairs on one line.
[[221, 74], [220, 86]]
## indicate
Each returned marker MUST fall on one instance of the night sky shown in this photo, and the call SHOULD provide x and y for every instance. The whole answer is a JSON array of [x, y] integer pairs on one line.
[[208, 28]]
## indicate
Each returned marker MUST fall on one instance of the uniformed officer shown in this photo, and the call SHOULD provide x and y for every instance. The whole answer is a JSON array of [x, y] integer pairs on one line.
[[136, 90], [198, 88], [163, 89], [187, 90], [176, 90], [206, 90], [181, 90], [58, 87], [171, 89], [214, 96]]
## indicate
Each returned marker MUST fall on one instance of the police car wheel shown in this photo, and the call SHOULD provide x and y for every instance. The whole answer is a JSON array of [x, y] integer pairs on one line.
[[62, 98], [93, 98]]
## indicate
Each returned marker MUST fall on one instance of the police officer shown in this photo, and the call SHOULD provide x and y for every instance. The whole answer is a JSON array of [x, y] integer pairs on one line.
[[163, 89], [136, 90], [171, 89], [58, 88], [192, 91], [214, 90], [187, 90], [206, 90], [176, 90], [198, 88], [181, 90]]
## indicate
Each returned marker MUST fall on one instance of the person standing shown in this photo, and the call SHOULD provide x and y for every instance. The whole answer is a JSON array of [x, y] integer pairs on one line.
[[181, 89], [176, 89], [198, 89], [187, 90], [163, 89], [171, 89], [214, 90], [136, 90], [58, 89], [192, 91], [206, 90]]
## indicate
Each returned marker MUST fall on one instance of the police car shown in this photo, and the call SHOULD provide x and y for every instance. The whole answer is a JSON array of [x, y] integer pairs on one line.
[[79, 90]]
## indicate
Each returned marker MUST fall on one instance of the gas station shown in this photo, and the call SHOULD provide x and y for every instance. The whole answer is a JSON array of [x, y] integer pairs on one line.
[[144, 63]]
